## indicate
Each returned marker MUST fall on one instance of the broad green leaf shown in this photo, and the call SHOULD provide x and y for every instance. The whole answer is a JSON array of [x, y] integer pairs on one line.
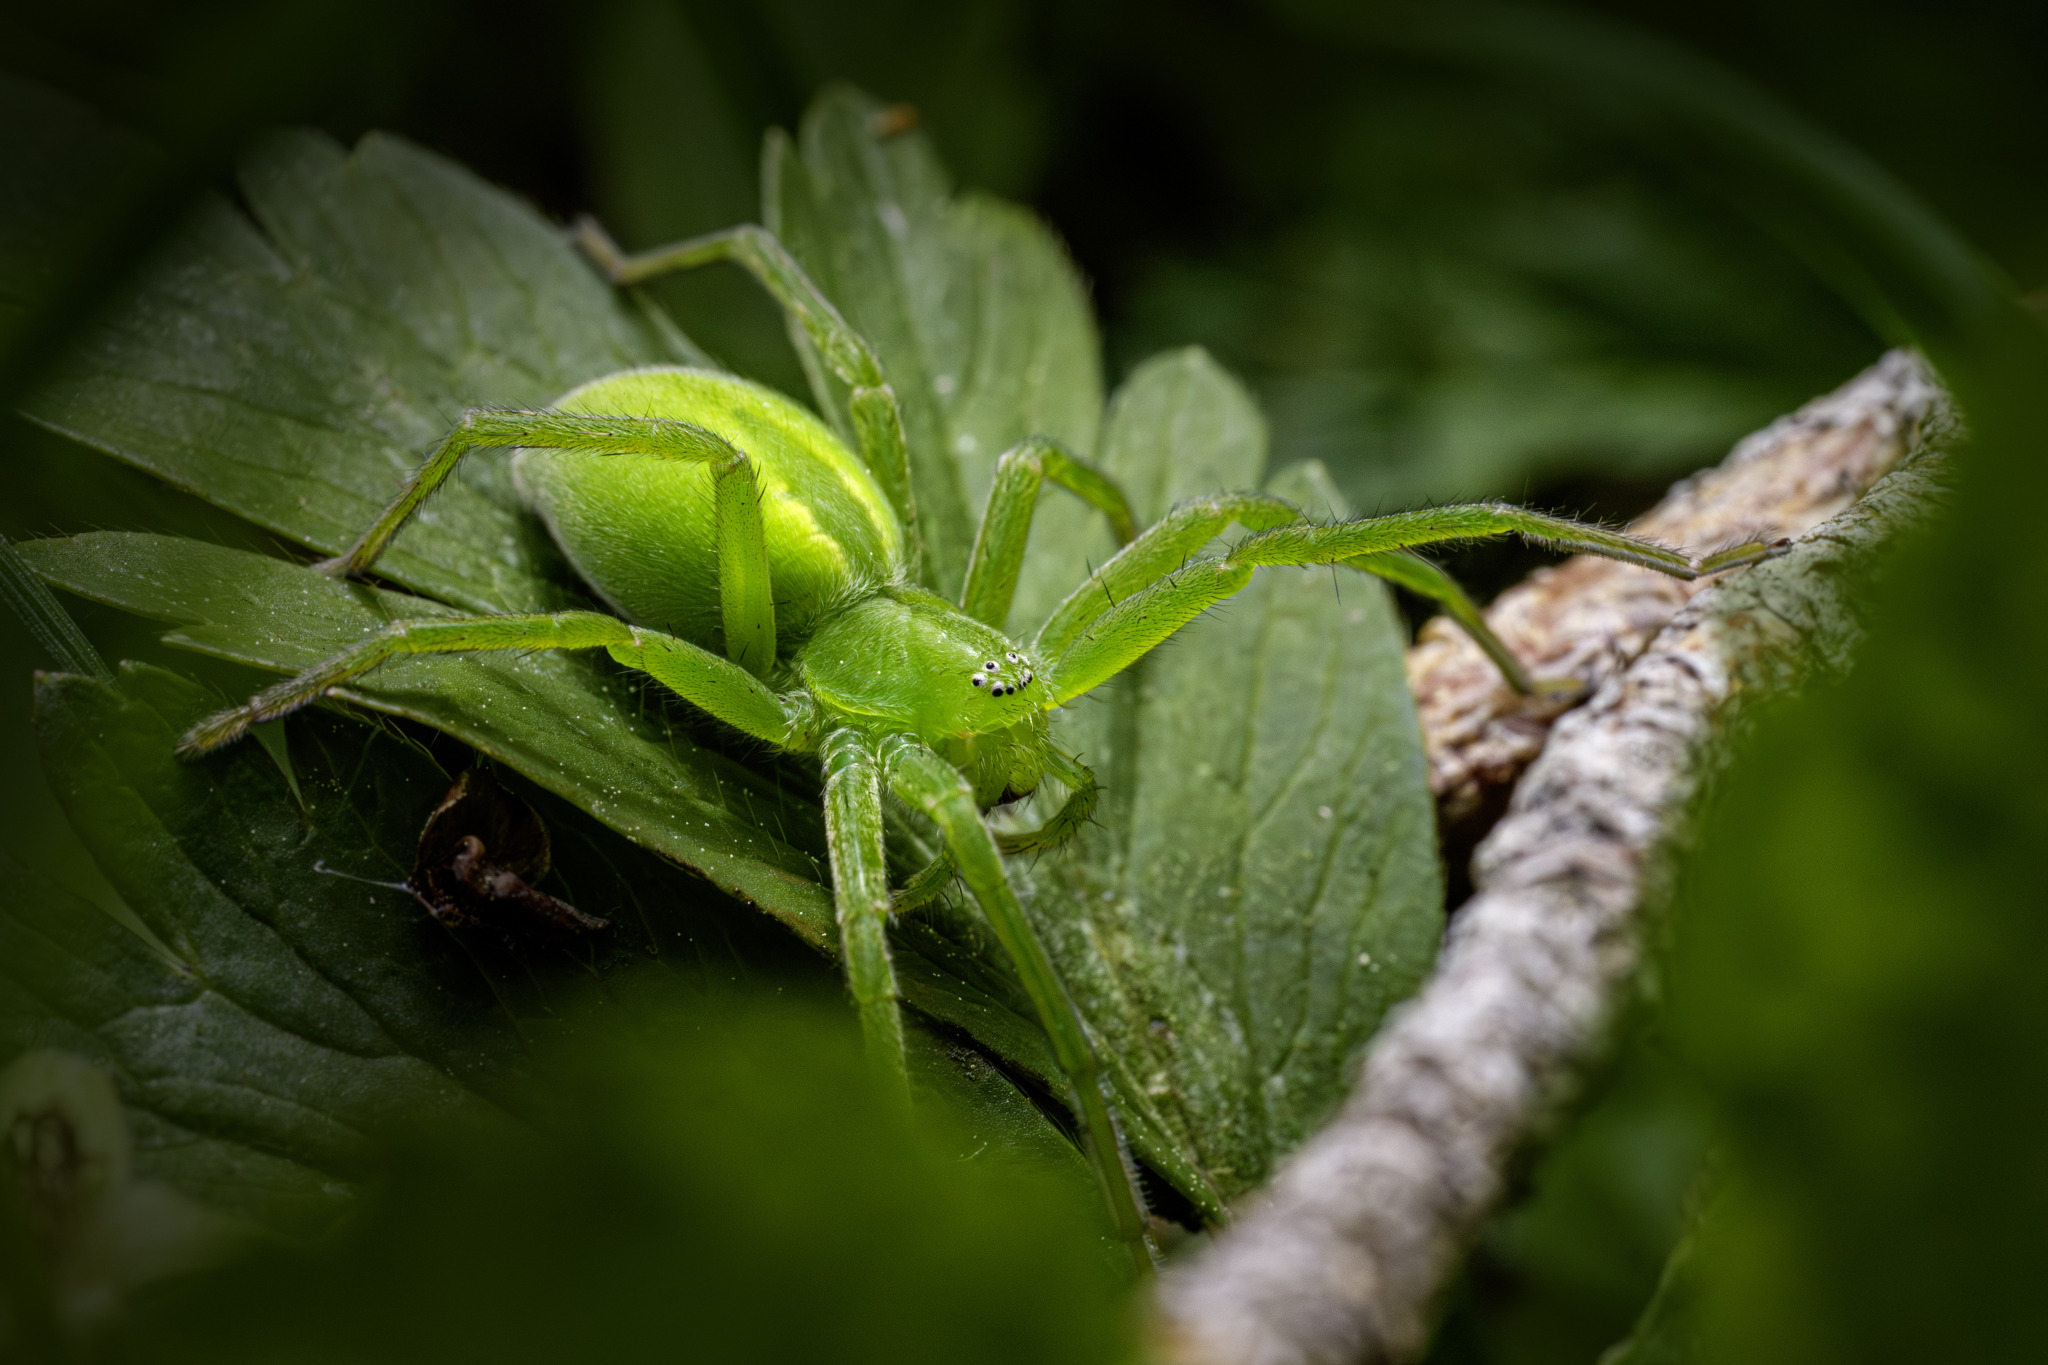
[[984, 329], [569, 724], [558, 718], [260, 1067], [979, 318], [309, 1008], [1263, 881], [294, 368]]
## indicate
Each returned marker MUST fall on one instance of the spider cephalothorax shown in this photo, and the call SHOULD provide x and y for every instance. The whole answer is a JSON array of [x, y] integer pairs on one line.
[[771, 576]]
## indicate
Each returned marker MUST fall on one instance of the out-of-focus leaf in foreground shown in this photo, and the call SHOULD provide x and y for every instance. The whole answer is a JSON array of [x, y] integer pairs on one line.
[[729, 1188], [1263, 882], [1860, 977]]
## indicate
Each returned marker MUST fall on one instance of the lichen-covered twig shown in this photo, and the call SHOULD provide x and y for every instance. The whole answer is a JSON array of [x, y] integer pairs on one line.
[[1588, 617], [1342, 1257]]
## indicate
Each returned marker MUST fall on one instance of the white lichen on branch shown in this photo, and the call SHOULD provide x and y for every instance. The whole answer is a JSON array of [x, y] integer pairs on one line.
[[1588, 617], [1343, 1256]]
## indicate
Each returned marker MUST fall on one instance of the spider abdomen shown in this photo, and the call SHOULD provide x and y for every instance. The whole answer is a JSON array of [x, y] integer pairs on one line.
[[641, 530]]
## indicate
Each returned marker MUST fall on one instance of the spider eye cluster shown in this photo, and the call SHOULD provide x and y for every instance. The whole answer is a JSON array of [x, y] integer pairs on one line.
[[1003, 679]]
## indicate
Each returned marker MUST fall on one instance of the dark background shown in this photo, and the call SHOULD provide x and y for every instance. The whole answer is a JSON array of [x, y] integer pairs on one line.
[[1443, 280]]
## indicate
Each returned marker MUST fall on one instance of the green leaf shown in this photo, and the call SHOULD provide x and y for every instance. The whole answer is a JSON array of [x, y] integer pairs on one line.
[[1263, 881], [998, 1122], [295, 368], [1255, 1045], [304, 1008], [559, 718], [980, 320], [565, 721], [302, 1015], [294, 374]]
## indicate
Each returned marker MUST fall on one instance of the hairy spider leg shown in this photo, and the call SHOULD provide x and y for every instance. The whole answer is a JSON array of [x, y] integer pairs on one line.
[[716, 686], [1097, 641], [997, 559], [745, 596], [1423, 578], [877, 418], [1083, 794], [1167, 545], [928, 783], [860, 895], [1064, 823]]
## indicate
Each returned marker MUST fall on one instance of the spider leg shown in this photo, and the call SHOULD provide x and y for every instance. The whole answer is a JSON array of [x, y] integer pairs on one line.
[[1163, 548], [1110, 638], [1066, 822], [717, 686], [925, 885], [746, 598], [860, 895], [998, 555], [1308, 543], [929, 783], [1083, 792], [877, 419], [1419, 576]]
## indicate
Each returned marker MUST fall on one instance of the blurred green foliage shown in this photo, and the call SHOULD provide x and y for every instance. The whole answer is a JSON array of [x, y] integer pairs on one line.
[[1564, 1272], [1859, 980], [1439, 280], [722, 1185]]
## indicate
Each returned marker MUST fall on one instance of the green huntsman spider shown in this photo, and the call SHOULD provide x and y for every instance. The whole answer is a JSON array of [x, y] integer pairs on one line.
[[784, 571]]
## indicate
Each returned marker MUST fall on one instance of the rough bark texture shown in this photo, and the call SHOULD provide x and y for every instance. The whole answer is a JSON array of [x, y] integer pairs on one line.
[[1342, 1257], [1588, 617]]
